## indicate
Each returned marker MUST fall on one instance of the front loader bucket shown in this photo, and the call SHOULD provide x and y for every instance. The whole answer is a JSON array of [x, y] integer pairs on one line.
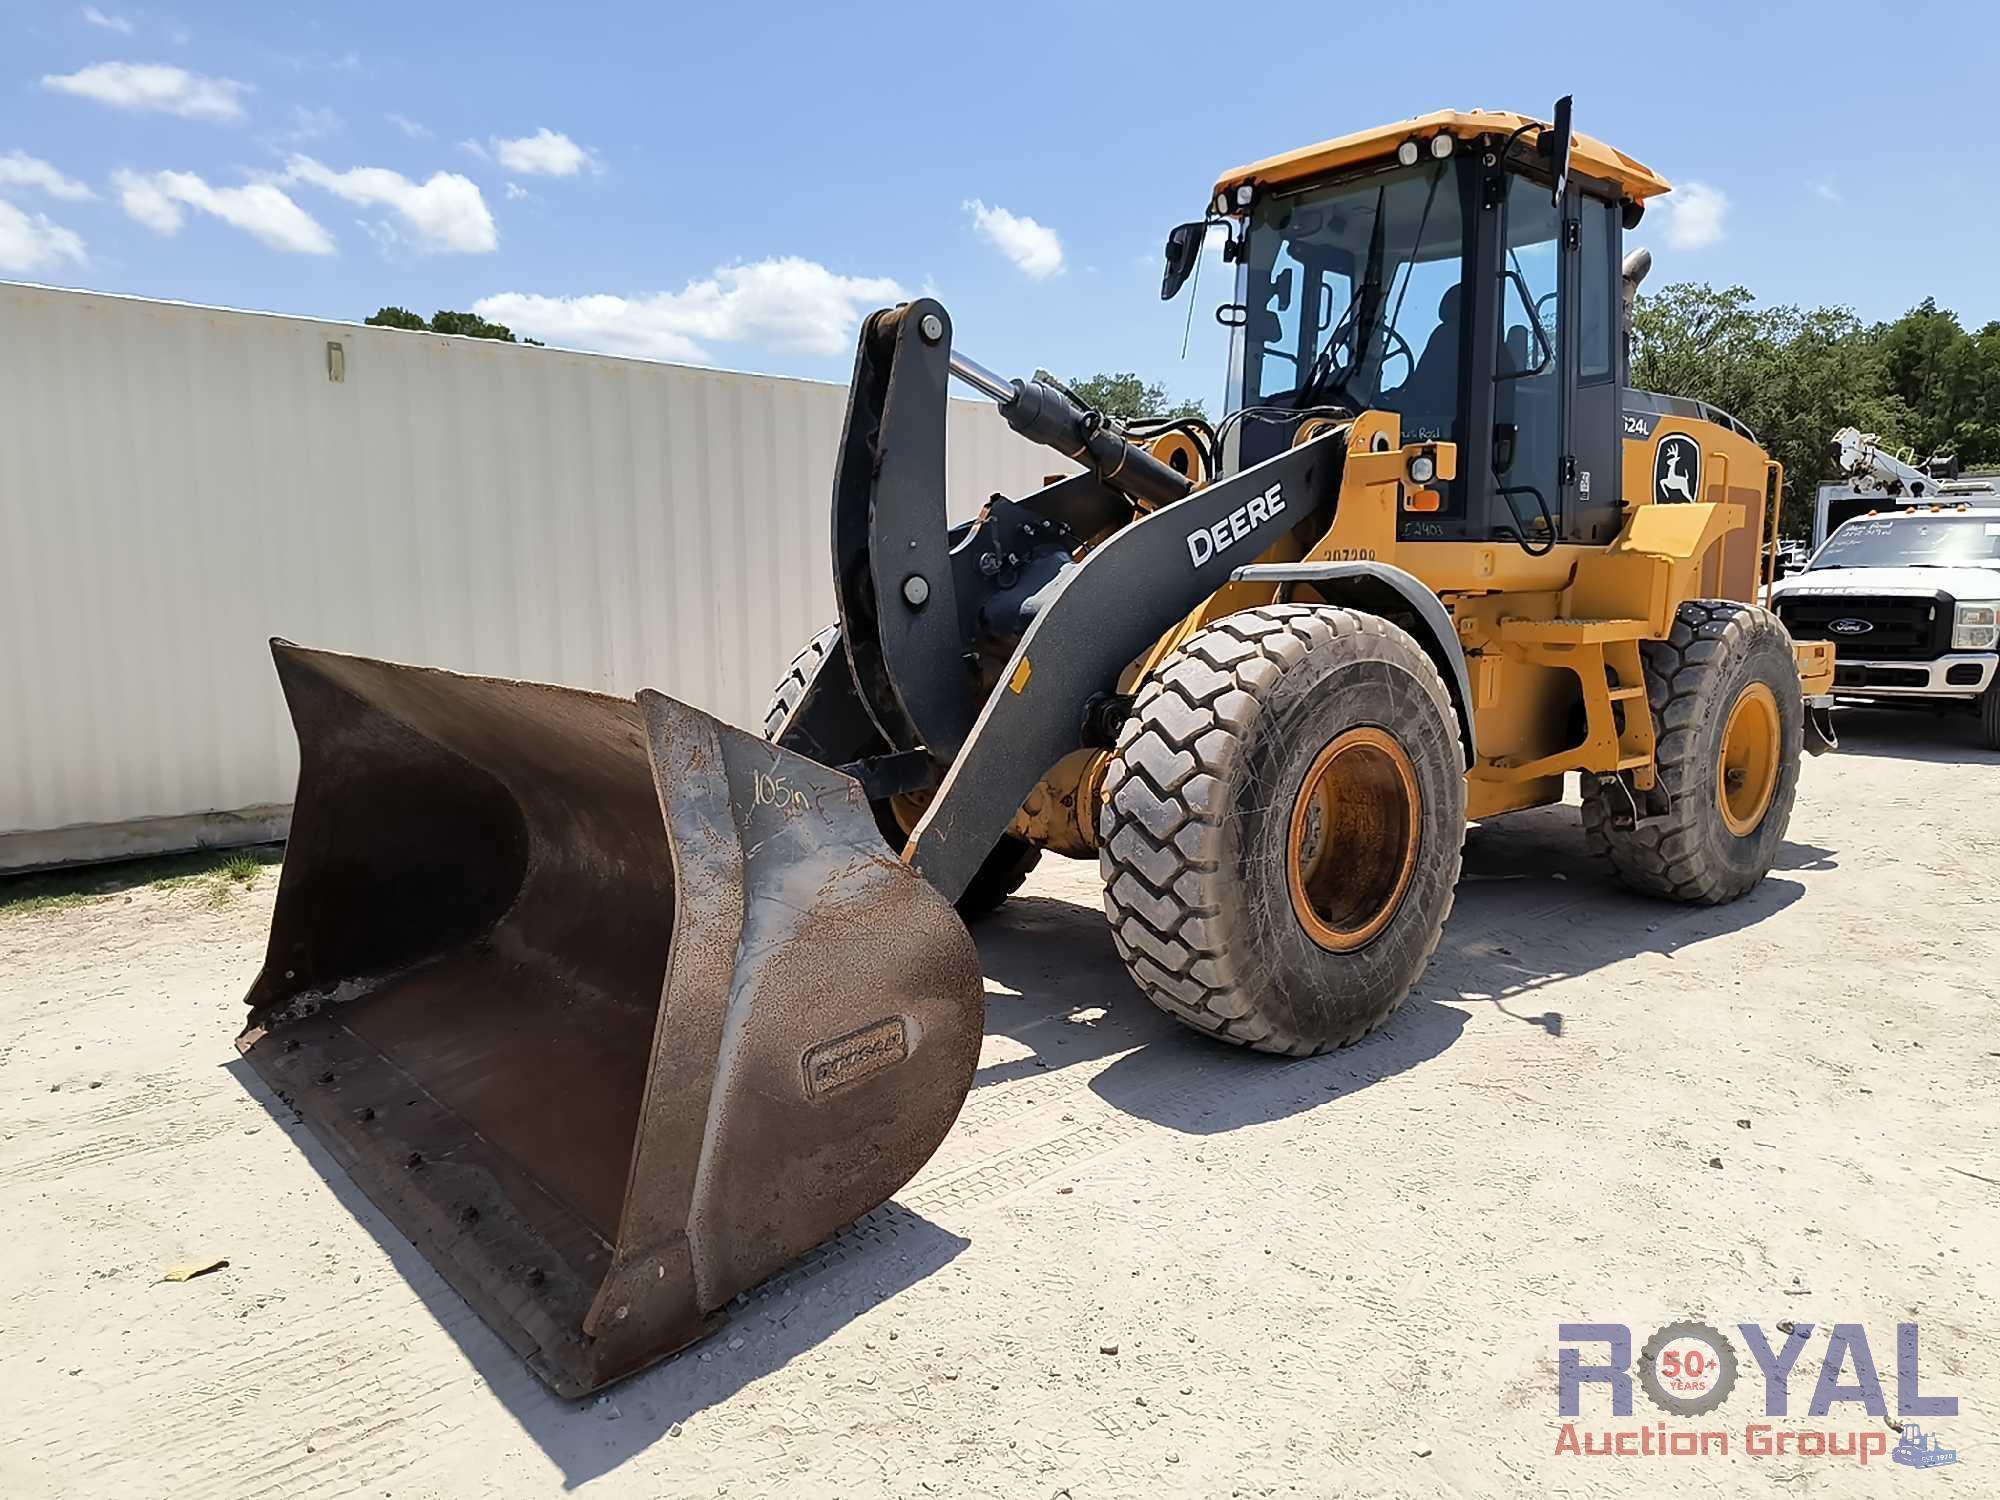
[[611, 1008]]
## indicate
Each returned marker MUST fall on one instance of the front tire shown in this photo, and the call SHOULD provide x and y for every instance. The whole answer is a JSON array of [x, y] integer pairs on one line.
[[1004, 870], [1728, 716], [1989, 714], [1282, 826]]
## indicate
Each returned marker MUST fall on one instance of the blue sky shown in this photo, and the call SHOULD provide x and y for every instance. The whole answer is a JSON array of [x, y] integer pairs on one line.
[[735, 185]]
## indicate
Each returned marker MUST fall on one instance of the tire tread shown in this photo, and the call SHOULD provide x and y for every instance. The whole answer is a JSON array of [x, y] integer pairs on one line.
[[1666, 858], [1160, 849]]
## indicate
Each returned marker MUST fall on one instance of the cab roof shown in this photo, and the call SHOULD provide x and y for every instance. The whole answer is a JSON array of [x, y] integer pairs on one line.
[[1589, 155]]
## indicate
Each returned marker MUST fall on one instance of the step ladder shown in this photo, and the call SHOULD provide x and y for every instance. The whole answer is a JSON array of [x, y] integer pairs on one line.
[[1618, 722]]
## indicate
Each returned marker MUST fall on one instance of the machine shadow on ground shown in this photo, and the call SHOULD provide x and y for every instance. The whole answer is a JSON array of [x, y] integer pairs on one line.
[[1913, 734], [1058, 990], [1532, 909], [886, 1251]]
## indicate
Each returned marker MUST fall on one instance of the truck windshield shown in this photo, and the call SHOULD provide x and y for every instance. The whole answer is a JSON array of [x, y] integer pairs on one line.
[[1917, 541], [1351, 298]]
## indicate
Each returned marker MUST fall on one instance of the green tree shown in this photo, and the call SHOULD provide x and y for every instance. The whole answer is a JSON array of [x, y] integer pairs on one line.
[[1794, 375], [1949, 379], [465, 324], [1127, 398], [400, 317], [1694, 340], [1977, 434], [472, 326]]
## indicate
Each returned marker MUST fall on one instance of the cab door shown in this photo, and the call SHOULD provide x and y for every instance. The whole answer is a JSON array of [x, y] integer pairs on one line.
[[1530, 393]]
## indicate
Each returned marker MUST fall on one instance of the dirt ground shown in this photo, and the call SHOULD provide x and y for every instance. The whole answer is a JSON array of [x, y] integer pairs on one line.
[[1142, 1263]]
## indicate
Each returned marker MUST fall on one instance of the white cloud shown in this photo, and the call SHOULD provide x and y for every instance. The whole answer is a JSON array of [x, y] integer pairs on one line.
[[313, 124], [445, 212], [1695, 212], [546, 153], [516, 191], [18, 169], [781, 303], [409, 127], [30, 242], [1824, 188], [1033, 247], [262, 210], [118, 24], [153, 86], [146, 200]]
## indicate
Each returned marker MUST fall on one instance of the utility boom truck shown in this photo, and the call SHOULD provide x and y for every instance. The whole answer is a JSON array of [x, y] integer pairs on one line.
[[1875, 478]]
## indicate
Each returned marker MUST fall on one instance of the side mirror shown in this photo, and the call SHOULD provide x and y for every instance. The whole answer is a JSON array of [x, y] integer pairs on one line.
[[1184, 242], [1555, 144]]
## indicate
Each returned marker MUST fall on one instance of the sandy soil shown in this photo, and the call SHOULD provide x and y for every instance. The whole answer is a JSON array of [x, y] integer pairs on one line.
[[1341, 1275]]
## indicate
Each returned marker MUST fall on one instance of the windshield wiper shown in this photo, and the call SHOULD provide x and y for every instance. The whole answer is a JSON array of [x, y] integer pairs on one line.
[[1322, 365], [1364, 305], [1370, 300]]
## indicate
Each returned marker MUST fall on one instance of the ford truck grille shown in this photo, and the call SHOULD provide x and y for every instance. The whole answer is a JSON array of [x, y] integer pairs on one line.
[[1898, 629]]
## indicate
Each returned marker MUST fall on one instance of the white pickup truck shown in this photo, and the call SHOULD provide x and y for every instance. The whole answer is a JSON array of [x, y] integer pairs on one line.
[[1910, 597]]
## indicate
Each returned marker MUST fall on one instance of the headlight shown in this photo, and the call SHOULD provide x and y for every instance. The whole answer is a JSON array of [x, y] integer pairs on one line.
[[1422, 469], [1975, 627]]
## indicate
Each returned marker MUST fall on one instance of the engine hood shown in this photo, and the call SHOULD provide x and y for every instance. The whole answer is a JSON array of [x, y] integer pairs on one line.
[[1958, 583]]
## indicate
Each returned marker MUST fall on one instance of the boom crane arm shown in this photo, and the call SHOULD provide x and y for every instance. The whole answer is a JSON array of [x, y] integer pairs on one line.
[[1868, 465]]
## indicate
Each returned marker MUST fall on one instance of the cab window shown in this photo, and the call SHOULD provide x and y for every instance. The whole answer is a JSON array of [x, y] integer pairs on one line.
[[1350, 297], [1597, 292]]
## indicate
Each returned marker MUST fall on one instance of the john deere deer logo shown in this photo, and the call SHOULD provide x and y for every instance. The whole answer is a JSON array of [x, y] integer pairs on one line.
[[1677, 470]]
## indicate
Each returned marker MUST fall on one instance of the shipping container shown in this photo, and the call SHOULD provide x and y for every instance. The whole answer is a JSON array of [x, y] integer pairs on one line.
[[178, 484]]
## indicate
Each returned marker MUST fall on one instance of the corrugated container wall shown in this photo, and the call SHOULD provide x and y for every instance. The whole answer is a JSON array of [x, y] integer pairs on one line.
[[178, 484]]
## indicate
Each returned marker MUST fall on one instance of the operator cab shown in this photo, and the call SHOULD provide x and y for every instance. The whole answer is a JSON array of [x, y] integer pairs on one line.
[[1462, 271]]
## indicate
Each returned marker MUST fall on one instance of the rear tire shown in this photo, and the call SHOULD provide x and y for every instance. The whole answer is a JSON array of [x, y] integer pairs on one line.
[[1724, 667], [1989, 714], [1005, 868], [798, 676], [1281, 827], [1004, 872]]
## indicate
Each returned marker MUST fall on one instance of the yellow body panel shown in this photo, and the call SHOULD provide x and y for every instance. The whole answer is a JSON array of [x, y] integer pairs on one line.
[[1587, 154], [1815, 660], [1734, 471], [1551, 643]]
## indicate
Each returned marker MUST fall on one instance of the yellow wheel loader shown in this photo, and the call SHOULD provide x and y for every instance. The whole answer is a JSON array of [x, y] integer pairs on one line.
[[615, 1009]]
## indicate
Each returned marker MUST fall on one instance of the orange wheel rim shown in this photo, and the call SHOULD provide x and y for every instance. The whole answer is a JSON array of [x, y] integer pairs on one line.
[[1746, 772], [1352, 845]]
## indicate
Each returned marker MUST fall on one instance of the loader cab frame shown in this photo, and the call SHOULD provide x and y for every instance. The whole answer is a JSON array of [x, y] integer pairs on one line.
[[1466, 293]]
